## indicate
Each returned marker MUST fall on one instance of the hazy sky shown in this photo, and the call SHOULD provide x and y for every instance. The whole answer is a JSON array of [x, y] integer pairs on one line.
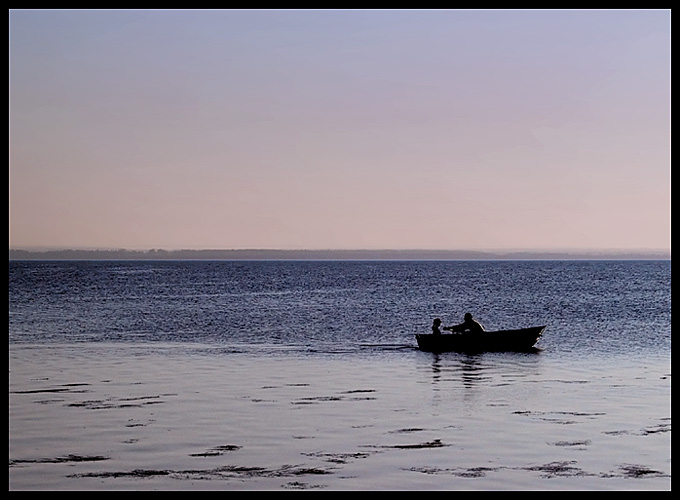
[[428, 129]]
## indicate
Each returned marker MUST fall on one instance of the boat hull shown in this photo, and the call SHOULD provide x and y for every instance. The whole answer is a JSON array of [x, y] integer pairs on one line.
[[522, 339]]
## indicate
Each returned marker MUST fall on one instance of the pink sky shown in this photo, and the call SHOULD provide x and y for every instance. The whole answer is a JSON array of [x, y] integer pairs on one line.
[[378, 129]]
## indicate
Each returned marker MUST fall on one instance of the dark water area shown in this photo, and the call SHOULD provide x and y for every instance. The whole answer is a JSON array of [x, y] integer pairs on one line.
[[589, 307]]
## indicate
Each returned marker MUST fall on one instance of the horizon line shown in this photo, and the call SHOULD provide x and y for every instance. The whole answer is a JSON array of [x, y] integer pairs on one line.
[[331, 254]]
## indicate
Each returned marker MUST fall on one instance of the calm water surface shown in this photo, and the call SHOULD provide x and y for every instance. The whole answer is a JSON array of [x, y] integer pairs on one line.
[[304, 375]]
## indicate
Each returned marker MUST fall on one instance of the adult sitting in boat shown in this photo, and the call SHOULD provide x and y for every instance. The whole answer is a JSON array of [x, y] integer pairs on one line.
[[435, 326], [468, 325]]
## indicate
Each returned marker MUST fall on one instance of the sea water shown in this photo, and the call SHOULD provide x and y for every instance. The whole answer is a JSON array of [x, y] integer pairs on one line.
[[270, 375]]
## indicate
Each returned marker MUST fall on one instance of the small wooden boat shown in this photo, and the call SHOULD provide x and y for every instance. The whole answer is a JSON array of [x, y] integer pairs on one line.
[[522, 339]]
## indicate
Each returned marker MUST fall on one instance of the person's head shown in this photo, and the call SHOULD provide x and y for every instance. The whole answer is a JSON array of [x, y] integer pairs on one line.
[[437, 322], [468, 316]]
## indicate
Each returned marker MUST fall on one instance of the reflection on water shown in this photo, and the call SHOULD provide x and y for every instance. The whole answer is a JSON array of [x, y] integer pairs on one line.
[[473, 371], [459, 373], [380, 418]]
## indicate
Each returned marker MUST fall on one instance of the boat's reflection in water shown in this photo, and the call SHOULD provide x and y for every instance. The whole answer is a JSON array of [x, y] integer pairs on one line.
[[468, 369], [453, 373]]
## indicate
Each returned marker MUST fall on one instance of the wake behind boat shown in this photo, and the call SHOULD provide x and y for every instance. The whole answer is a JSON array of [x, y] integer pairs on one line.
[[502, 340]]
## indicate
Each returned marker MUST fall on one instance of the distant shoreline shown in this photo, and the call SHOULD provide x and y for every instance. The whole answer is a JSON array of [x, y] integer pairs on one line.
[[262, 254]]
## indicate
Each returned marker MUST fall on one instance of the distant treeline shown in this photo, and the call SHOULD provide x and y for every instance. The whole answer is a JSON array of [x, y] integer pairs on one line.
[[154, 254]]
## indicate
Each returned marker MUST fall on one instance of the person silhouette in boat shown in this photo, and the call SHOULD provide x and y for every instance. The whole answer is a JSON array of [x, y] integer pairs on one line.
[[435, 326], [469, 324]]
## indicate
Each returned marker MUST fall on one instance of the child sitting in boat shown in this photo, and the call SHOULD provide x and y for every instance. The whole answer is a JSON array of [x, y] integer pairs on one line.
[[435, 326]]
